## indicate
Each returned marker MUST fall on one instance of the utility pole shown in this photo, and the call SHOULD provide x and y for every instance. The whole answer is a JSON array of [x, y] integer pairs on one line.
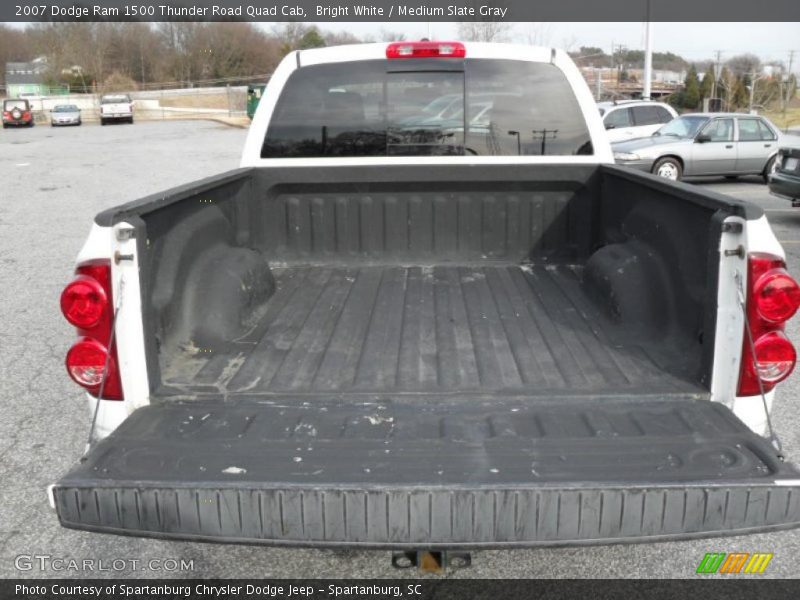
[[519, 141], [788, 84], [716, 74], [618, 63], [544, 135], [753, 79], [648, 55]]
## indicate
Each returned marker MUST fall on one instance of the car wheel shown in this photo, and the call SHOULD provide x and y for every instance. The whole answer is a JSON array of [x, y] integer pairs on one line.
[[772, 166], [102, 121], [668, 168], [5, 125]]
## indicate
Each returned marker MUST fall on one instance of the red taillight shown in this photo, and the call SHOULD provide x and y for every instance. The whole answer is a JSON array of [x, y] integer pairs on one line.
[[777, 295], [773, 297], [87, 304], [775, 357], [84, 301], [426, 50]]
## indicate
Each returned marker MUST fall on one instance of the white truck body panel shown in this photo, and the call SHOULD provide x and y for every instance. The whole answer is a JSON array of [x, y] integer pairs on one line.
[[103, 243]]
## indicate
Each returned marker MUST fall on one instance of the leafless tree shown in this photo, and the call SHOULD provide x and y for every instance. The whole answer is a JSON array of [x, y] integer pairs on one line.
[[339, 38], [744, 64], [537, 34], [385, 35], [483, 31]]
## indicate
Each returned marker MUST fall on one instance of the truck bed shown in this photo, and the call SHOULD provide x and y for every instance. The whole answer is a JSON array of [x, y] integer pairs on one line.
[[563, 280], [524, 329]]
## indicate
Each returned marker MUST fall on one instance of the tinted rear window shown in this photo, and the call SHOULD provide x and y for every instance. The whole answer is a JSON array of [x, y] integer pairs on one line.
[[490, 108], [114, 99], [648, 115]]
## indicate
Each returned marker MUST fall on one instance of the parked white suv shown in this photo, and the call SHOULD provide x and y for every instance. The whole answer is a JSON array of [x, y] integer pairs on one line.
[[630, 119]]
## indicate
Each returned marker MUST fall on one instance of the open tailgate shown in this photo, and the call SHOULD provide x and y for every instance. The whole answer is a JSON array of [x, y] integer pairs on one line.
[[433, 472]]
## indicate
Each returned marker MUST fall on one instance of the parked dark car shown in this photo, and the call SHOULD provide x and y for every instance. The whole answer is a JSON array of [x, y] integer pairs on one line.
[[17, 111], [785, 180]]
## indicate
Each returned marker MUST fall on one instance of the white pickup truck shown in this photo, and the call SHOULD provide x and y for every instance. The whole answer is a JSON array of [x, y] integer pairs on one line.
[[408, 324], [116, 107]]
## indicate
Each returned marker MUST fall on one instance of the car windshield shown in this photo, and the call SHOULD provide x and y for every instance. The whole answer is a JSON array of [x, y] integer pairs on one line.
[[66, 108], [376, 108], [114, 99], [684, 127], [12, 104]]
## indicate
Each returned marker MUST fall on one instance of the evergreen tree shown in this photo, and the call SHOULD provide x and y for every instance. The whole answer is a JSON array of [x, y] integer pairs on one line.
[[707, 84], [311, 39], [691, 89], [740, 96]]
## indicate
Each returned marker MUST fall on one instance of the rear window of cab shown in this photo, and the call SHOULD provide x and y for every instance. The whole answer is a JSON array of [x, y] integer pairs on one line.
[[484, 107]]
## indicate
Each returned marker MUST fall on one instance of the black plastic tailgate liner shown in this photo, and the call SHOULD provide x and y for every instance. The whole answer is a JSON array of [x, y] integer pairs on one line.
[[435, 472]]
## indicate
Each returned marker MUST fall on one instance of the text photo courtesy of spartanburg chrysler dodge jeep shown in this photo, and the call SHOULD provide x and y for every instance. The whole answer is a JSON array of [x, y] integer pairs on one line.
[[398, 328]]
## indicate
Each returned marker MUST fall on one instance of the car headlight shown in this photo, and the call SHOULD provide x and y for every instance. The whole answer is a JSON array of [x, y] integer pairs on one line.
[[625, 156]]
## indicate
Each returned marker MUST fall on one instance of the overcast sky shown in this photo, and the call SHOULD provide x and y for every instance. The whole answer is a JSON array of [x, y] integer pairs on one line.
[[693, 41]]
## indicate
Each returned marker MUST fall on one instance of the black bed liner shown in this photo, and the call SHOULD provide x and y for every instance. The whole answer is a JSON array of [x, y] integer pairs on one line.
[[451, 328], [400, 473]]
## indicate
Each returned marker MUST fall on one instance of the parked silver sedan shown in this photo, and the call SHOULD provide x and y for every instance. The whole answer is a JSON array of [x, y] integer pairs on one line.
[[702, 144], [65, 114]]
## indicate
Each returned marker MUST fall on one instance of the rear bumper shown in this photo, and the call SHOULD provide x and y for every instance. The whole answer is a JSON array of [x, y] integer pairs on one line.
[[556, 475], [430, 518]]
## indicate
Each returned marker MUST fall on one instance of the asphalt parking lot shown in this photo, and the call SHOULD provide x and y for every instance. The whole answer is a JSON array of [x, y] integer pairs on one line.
[[52, 183]]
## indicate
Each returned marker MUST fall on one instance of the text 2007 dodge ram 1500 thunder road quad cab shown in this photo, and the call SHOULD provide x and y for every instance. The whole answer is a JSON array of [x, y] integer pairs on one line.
[[399, 326]]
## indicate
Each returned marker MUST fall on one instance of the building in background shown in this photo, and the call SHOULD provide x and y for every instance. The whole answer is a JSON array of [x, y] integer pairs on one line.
[[26, 78]]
